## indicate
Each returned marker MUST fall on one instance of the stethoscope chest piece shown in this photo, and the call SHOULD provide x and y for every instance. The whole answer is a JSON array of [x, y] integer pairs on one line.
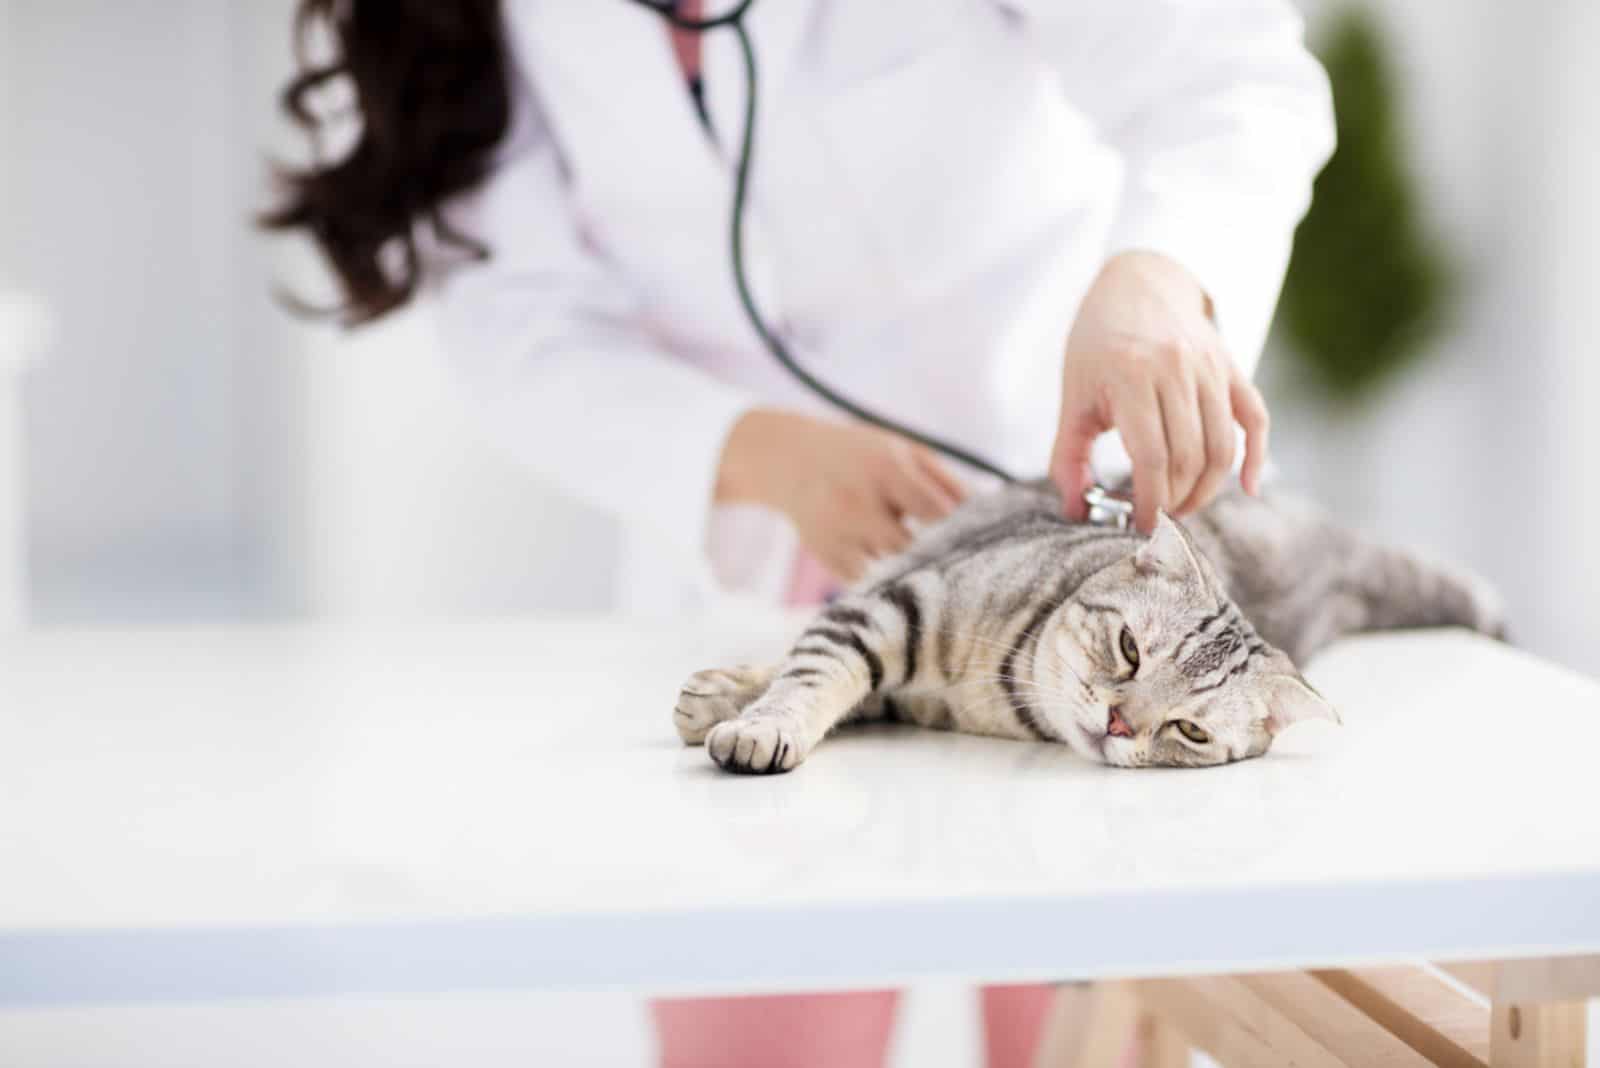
[[1108, 510]]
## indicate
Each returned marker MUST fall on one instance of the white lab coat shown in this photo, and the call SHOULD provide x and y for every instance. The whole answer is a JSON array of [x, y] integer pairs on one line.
[[936, 184]]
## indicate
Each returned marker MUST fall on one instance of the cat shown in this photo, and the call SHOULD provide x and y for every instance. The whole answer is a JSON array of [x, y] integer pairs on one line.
[[1007, 619]]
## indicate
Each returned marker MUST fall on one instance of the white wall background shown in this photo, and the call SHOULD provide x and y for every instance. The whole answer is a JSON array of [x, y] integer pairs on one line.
[[1481, 453], [120, 209], [192, 454]]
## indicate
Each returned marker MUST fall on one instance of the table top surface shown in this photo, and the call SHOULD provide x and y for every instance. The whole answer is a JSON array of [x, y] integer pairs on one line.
[[257, 810]]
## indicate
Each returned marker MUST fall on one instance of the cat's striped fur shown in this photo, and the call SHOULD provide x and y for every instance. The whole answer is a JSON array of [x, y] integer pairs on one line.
[[1006, 619]]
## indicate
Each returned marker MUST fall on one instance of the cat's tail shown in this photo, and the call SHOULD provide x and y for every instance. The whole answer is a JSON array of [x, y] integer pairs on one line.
[[1406, 589], [1305, 580]]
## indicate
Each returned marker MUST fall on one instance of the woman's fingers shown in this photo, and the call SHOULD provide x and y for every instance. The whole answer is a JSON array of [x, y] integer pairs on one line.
[[885, 535], [1186, 443], [951, 491], [918, 490], [866, 538], [1136, 412], [1216, 419], [842, 561], [914, 493], [1081, 423], [1250, 411]]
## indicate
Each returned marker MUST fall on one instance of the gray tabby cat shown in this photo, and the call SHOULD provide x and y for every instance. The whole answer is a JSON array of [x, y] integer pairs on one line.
[[1007, 619]]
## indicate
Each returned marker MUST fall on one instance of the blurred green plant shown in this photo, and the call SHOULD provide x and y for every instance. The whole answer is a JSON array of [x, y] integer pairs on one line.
[[1367, 287]]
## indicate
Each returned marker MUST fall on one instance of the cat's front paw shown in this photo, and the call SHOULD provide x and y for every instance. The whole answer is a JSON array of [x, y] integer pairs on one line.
[[758, 745], [709, 697]]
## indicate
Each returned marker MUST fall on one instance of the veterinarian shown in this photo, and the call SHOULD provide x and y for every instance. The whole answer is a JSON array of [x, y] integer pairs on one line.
[[1015, 225]]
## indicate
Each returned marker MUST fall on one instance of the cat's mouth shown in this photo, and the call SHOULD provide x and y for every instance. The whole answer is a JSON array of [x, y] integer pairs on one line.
[[1116, 727]]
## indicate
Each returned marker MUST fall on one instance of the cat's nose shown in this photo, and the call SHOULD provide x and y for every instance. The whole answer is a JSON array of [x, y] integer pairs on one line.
[[1116, 726]]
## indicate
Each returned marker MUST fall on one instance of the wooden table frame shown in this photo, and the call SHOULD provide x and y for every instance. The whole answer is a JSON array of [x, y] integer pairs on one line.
[[1502, 1014]]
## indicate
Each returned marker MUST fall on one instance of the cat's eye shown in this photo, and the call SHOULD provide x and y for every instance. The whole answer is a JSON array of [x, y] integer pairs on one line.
[[1194, 733], [1130, 650]]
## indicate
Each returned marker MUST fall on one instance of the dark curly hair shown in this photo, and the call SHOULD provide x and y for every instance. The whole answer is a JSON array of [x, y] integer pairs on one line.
[[432, 85]]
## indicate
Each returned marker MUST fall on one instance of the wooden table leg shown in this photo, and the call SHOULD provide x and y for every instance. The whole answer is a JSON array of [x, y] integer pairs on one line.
[[1551, 1034], [1268, 1020], [1419, 1007], [1337, 1018], [1095, 1024], [1090, 1026], [1538, 1015], [1160, 1045]]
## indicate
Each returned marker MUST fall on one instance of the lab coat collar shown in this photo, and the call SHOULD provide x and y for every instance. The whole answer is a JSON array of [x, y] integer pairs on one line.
[[779, 31]]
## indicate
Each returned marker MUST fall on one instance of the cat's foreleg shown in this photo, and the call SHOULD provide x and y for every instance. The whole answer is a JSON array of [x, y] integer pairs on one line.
[[846, 656]]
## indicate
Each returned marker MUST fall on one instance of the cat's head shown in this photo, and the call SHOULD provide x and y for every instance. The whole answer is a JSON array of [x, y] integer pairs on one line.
[[1156, 666]]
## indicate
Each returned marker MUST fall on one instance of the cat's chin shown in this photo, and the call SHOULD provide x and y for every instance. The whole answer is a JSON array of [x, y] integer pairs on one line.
[[1082, 739], [1091, 742], [1111, 758]]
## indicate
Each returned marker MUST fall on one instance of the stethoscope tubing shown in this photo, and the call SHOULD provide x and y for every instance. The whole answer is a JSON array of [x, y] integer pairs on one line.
[[734, 19]]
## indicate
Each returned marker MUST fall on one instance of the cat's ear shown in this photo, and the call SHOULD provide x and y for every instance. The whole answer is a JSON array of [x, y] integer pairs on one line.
[[1170, 549], [1289, 699]]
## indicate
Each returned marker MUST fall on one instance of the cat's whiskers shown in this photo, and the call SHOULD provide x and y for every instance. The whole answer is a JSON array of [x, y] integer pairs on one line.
[[994, 702], [1062, 662], [988, 678], [993, 695], [983, 694], [1000, 646], [1008, 648]]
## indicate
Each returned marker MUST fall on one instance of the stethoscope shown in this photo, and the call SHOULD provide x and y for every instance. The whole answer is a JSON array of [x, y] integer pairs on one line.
[[1104, 508]]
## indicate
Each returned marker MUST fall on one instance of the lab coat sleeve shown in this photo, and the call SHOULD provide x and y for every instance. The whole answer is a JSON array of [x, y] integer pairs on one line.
[[1222, 118], [559, 370]]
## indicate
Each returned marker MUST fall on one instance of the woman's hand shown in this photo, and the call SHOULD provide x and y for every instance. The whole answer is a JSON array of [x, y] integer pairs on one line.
[[1145, 359], [848, 489]]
